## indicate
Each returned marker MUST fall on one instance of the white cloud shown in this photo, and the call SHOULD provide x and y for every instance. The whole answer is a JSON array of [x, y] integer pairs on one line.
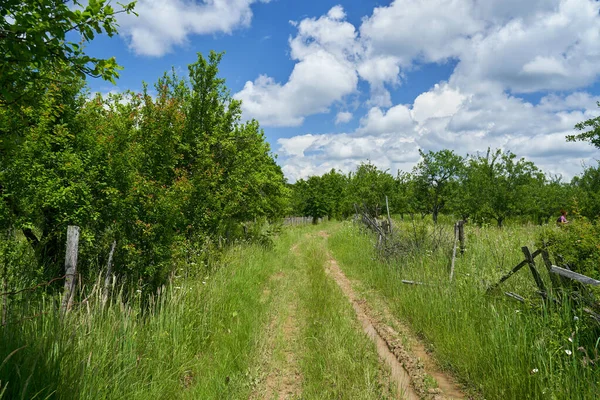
[[556, 50], [447, 118], [343, 117], [324, 74], [163, 24]]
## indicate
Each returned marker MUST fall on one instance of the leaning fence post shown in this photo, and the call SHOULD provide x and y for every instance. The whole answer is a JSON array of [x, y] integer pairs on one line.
[[534, 272], [70, 267]]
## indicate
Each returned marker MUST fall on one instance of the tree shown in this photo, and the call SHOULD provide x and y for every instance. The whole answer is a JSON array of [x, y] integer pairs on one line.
[[152, 172], [435, 179], [592, 135], [35, 49], [498, 185], [368, 187], [588, 190]]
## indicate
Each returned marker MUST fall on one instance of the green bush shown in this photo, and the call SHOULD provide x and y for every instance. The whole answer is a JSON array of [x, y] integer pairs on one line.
[[576, 245]]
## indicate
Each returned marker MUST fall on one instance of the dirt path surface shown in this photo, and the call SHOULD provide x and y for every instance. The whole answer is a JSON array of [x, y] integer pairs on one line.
[[414, 371], [282, 379]]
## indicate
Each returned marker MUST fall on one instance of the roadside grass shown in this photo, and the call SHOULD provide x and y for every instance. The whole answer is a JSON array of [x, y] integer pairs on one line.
[[499, 348], [339, 361], [196, 340]]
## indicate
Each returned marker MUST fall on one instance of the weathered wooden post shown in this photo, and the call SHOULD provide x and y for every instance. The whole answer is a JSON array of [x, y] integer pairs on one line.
[[454, 251], [70, 267], [109, 271], [461, 235], [388, 214], [536, 275]]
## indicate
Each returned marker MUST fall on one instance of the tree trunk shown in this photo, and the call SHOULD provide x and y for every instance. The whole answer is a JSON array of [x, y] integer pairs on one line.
[[435, 215]]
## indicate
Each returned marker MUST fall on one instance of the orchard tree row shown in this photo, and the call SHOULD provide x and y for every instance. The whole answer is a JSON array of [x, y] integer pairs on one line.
[[488, 187], [164, 172]]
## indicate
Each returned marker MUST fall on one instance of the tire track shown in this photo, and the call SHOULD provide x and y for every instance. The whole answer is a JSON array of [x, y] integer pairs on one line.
[[408, 370]]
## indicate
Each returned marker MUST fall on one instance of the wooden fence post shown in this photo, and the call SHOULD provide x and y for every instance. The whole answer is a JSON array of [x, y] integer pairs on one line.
[[536, 275], [461, 235], [70, 267], [454, 251], [109, 270], [388, 214]]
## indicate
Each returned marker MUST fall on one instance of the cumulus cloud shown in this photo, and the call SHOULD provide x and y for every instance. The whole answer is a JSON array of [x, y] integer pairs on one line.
[[556, 50], [343, 117], [445, 117], [161, 24], [324, 73], [498, 45]]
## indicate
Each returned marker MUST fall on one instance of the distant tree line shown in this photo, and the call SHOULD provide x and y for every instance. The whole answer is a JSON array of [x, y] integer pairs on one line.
[[489, 187]]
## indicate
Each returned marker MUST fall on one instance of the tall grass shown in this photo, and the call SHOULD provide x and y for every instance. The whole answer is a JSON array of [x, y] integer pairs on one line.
[[195, 340], [500, 348], [339, 361]]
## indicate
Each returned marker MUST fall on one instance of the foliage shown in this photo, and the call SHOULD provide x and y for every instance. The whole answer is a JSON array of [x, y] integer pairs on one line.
[[497, 186], [576, 244], [148, 172], [35, 45], [435, 179], [592, 135], [368, 187], [320, 196], [588, 192]]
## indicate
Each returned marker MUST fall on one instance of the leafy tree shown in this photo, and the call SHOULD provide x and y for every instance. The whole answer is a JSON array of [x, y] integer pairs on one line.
[[435, 179], [369, 186], [152, 172], [35, 50], [498, 185], [587, 186], [402, 199], [592, 135], [548, 196]]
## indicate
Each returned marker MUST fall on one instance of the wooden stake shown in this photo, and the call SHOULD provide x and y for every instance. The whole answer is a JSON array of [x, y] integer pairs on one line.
[[454, 251], [534, 271], [461, 236], [388, 214], [109, 265], [70, 267]]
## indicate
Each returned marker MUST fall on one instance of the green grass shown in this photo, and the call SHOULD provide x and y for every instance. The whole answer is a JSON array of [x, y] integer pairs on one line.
[[339, 361], [197, 340], [201, 338], [500, 348]]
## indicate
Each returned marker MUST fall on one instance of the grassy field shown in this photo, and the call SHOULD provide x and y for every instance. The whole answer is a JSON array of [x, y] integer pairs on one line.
[[269, 321], [225, 335], [500, 348]]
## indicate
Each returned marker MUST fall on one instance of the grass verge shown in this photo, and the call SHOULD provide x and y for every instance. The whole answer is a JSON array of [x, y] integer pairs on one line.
[[196, 341], [500, 349]]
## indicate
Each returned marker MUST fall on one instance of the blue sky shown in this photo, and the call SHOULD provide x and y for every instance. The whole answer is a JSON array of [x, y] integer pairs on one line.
[[334, 83]]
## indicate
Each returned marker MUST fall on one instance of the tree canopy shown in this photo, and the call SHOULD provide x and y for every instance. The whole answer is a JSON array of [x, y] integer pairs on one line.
[[38, 44]]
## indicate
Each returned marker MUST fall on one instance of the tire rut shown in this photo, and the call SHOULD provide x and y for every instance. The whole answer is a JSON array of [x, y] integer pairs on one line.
[[408, 370]]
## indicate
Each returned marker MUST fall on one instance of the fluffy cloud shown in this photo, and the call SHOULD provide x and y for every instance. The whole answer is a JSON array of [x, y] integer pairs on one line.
[[325, 49], [343, 117], [557, 50], [446, 117], [161, 24], [499, 45]]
